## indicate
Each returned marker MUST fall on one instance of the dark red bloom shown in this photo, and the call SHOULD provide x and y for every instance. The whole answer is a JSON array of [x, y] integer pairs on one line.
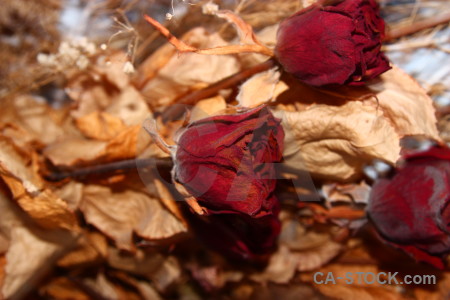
[[411, 211], [337, 43], [226, 163]]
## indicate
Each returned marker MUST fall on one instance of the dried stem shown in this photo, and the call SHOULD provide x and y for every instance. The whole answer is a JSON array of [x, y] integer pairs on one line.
[[109, 167], [173, 112], [418, 26], [224, 50]]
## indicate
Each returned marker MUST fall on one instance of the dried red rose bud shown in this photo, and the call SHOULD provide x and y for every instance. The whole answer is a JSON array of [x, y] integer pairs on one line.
[[338, 43], [226, 163], [411, 209]]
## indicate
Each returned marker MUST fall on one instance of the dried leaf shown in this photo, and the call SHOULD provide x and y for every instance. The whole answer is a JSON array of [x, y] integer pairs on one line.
[[71, 152], [108, 89], [334, 141], [63, 288], [260, 88], [103, 287], [119, 214], [353, 193], [281, 268], [30, 119], [359, 289], [208, 108], [71, 193], [100, 126], [32, 251], [167, 274], [91, 248], [139, 263], [27, 187], [188, 71]]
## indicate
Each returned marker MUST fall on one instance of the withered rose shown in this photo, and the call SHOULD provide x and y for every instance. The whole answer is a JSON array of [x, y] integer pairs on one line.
[[336, 43], [226, 163], [411, 209]]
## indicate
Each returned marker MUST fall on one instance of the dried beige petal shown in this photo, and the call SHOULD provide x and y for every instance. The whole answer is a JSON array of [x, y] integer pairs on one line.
[[119, 214], [334, 141], [260, 88], [208, 108]]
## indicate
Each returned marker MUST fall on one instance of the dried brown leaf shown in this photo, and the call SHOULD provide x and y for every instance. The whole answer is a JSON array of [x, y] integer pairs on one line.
[[26, 119], [63, 288], [120, 214], [139, 263], [32, 251], [100, 126], [188, 71], [359, 289], [167, 274], [47, 209], [80, 151], [334, 141], [108, 89], [103, 287], [90, 248]]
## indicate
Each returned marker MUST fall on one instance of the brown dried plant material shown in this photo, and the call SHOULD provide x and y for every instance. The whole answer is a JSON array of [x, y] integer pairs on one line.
[[167, 274], [27, 119], [63, 288], [299, 250], [137, 263], [352, 193], [181, 73], [208, 108], [103, 287], [440, 291], [334, 140], [32, 251], [20, 175], [81, 151], [107, 88], [91, 248], [120, 214], [100, 126], [356, 290], [260, 88]]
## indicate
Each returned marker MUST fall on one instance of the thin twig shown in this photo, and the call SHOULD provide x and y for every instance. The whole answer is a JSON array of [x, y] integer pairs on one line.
[[418, 26], [109, 167], [174, 112]]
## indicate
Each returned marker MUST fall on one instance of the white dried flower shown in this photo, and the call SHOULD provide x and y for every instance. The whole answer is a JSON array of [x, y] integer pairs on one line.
[[128, 68], [210, 8], [82, 62]]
